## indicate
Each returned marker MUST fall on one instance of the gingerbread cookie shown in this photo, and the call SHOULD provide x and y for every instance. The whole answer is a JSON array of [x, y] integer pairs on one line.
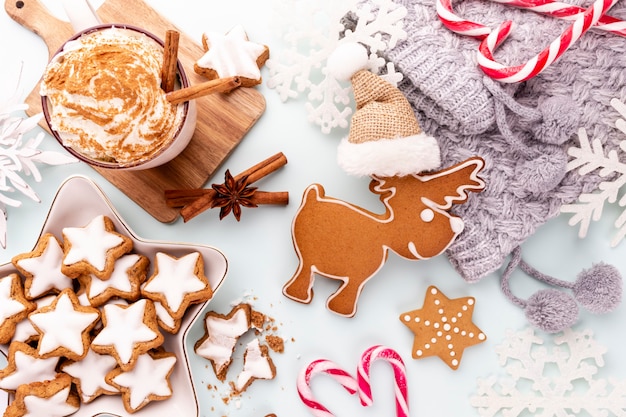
[[128, 332], [64, 327], [89, 374], [443, 327], [221, 334], [41, 268], [177, 283], [24, 366], [231, 55], [52, 398], [93, 249], [344, 242], [14, 307], [129, 272], [147, 381]]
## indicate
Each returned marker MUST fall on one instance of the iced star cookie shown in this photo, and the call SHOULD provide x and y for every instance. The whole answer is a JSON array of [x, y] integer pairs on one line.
[[177, 283], [89, 375], [41, 268], [129, 272], [24, 366], [148, 380], [53, 398], [165, 320], [443, 327], [24, 331], [93, 249], [221, 334], [14, 307], [232, 54], [128, 331], [64, 327], [257, 364]]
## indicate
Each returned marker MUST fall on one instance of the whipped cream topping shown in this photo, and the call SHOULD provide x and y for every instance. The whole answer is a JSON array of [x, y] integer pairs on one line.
[[105, 98]]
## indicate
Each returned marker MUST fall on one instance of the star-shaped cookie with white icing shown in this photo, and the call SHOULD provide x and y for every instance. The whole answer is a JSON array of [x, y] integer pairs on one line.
[[177, 283], [443, 327], [232, 54]]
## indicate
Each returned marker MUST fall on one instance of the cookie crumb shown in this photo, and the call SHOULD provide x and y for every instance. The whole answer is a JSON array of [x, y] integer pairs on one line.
[[276, 343]]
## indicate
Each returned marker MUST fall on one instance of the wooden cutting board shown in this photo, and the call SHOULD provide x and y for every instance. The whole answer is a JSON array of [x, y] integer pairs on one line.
[[223, 120]]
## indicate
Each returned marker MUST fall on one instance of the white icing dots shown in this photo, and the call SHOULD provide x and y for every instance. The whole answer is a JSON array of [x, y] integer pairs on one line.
[[408, 318]]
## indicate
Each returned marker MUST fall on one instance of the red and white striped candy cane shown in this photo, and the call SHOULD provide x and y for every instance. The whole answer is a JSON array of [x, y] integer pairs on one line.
[[327, 367], [567, 12], [511, 74], [363, 377], [457, 24], [552, 8]]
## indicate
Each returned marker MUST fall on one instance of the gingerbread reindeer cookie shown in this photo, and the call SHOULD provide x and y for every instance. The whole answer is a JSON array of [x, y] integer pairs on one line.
[[344, 242]]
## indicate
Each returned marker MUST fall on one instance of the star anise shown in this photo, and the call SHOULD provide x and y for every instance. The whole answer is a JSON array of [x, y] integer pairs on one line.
[[232, 195]]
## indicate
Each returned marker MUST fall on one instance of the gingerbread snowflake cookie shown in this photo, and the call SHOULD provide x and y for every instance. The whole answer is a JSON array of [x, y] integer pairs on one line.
[[232, 54]]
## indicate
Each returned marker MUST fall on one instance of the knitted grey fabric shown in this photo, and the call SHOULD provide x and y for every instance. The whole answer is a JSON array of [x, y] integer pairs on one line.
[[522, 130]]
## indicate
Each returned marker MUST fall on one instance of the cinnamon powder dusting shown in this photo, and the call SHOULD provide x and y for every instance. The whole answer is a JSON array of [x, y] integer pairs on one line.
[[105, 97]]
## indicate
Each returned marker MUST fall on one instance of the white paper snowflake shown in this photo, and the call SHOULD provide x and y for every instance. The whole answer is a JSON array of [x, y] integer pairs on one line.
[[19, 158], [312, 30], [550, 381], [589, 157]]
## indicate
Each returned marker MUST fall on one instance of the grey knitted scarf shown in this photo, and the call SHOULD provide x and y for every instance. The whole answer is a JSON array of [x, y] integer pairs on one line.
[[522, 131]]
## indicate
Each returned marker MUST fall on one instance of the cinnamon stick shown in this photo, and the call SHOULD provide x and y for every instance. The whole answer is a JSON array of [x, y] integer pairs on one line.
[[221, 85], [270, 197], [182, 197], [254, 173], [170, 60]]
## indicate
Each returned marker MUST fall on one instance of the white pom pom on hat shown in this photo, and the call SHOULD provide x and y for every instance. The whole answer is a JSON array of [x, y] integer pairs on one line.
[[385, 138], [346, 60]]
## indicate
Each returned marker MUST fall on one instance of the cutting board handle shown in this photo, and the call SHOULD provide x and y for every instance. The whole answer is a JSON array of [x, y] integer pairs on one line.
[[35, 16]]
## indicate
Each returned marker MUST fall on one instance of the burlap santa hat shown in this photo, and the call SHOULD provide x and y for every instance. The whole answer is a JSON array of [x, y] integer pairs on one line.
[[385, 138]]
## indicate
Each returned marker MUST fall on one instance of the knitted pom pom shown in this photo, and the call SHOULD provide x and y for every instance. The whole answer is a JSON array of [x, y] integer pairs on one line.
[[599, 288], [543, 173], [346, 60], [551, 310], [561, 118]]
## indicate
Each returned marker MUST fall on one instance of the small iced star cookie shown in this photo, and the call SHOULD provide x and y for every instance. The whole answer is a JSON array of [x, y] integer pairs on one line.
[[232, 55], [89, 375], [147, 381], [177, 283], [221, 334], [443, 327], [128, 331], [165, 320], [14, 307], [24, 366], [64, 327], [93, 249], [129, 272], [41, 268], [24, 331], [257, 364], [53, 398]]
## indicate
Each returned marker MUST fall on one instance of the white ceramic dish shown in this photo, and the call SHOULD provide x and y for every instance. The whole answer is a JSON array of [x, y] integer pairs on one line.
[[77, 201]]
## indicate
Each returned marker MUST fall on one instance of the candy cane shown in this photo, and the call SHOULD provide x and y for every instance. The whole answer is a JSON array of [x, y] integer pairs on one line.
[[363, 377], [567, 12], [547, 7], [327, 367], [546, 57]]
